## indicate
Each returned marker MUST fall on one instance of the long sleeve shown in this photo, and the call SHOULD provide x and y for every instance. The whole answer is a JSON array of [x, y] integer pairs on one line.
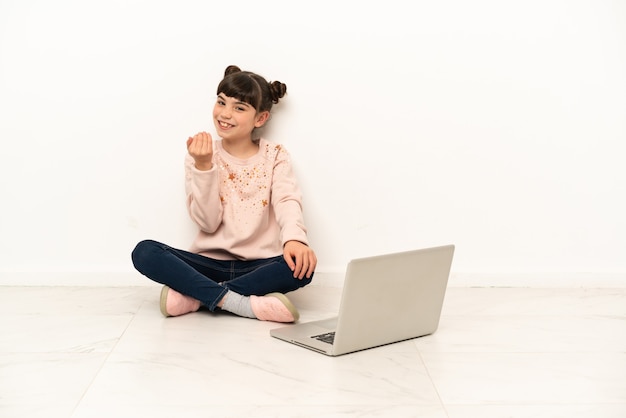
[[287, 200], [203, 197]]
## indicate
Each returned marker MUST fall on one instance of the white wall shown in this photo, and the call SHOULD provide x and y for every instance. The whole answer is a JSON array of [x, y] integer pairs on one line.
[[496, 126]]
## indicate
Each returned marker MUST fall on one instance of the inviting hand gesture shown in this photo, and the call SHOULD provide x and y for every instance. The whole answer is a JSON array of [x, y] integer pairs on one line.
[[200, 147]]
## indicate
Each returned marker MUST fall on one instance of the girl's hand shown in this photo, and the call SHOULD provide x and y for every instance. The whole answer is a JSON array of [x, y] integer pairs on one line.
[[200, 147], [300, 258]]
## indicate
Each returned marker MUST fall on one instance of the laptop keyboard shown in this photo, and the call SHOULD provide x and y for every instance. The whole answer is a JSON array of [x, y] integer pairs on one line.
[[328, 337]]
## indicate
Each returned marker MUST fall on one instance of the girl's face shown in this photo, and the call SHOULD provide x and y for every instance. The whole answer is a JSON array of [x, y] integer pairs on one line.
[[234, 119]]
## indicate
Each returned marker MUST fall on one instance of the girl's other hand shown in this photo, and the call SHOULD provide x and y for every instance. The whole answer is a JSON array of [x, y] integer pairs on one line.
[[300, 258], [200, 147]]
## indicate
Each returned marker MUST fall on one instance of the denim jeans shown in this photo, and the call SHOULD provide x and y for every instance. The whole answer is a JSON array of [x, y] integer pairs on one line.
[[208, 280]]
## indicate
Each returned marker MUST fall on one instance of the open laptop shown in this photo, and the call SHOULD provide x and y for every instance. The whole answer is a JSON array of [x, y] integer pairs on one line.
[[386, 299]]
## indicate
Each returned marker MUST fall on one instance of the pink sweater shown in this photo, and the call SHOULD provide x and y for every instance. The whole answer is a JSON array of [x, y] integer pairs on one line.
[[246, 209]]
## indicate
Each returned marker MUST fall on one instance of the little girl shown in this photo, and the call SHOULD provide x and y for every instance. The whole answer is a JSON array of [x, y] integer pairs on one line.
[[252, 245]]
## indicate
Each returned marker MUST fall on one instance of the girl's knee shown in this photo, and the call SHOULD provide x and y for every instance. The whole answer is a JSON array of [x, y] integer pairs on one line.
[[306, 281], [142, 251]]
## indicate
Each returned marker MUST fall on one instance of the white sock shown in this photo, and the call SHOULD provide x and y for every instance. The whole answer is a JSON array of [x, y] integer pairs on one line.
[[238, 304]]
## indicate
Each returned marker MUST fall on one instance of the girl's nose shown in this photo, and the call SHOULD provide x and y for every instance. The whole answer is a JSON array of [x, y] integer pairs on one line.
[[226, 112]]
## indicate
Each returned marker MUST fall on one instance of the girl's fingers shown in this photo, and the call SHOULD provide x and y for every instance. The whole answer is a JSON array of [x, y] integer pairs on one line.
[[200, 144]]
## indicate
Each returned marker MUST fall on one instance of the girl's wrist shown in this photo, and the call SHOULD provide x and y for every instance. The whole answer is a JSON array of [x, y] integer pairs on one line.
[[204, 167]]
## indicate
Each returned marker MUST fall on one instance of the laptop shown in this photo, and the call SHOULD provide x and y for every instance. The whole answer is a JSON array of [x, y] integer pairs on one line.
[[385, 299]]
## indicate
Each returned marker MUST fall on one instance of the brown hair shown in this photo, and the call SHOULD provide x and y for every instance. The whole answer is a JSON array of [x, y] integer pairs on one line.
[[251, 88]]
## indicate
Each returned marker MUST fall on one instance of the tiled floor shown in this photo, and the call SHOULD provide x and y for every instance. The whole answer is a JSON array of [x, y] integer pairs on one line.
[[499, 352]]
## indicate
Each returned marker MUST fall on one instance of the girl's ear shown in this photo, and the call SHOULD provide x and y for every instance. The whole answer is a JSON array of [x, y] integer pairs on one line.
[[261, 118]]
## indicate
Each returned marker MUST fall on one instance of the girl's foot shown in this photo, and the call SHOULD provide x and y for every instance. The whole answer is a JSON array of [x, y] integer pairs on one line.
[[176, 304], [274, 307]]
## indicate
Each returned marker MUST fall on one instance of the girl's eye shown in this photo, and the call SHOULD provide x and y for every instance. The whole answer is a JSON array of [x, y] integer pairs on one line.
[[240, 108]]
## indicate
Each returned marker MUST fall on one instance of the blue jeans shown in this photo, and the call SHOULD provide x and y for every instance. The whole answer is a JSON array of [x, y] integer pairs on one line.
[[208, 280]]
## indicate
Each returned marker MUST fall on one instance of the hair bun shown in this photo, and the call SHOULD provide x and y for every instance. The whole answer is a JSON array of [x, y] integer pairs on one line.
[[277, 90], [231, 69]]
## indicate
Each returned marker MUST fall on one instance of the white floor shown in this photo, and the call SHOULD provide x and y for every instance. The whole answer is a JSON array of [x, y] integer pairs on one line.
[[499, 352]]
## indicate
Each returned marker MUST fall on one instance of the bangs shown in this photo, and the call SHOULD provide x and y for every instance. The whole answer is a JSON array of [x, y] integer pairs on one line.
[[242, 87]]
